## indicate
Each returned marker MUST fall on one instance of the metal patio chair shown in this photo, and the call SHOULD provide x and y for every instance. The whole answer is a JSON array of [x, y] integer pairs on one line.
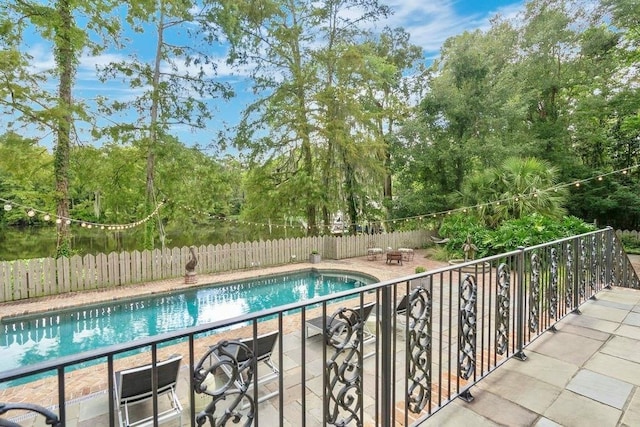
[[133, 388], [234, 358]]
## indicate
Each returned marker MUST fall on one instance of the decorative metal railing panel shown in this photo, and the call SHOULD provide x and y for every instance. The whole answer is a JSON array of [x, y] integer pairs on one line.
[[468, 323], [553, 288], [568, 288], [420, 342], [460, 324], [534, 298], [503, 304], [343, 370], [583, 270], [603, 259], [593, 263], [231, 402]]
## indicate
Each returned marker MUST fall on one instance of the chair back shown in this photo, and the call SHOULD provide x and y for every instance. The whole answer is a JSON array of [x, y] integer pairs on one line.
[[366, 311], [135, 383], [402, 305], [264, 345]]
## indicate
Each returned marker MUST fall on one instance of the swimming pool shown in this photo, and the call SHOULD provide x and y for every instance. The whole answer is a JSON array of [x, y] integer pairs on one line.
[[30, 339]]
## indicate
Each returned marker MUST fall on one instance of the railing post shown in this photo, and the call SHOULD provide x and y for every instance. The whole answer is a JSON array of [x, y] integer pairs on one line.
[[522, 307], [386, 378], [607, 257], [62, 408]]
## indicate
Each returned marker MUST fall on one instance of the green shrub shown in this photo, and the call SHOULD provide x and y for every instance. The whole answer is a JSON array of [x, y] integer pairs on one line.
[[457, 227], [420, 269], [509, 235], [631, 244]]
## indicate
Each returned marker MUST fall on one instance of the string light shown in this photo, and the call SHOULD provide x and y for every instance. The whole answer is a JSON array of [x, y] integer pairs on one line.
[[536, 193], [31, 212]]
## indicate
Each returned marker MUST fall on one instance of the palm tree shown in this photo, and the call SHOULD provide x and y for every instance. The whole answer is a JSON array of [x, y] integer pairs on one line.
[[518, 187]]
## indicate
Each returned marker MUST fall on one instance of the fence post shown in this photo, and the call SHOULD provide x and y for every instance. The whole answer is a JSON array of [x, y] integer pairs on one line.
[[522, 306]]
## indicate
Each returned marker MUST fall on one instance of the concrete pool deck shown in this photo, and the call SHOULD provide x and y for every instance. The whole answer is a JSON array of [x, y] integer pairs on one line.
[[586, 374]]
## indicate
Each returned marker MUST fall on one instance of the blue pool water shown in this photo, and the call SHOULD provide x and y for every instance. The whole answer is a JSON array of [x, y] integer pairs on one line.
[[28, 340]]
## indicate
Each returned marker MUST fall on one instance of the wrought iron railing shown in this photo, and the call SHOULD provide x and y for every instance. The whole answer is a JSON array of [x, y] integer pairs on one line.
[[436, 335]]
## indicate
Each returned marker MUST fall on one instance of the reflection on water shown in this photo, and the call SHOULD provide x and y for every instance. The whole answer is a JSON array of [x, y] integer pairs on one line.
[[26, 341]]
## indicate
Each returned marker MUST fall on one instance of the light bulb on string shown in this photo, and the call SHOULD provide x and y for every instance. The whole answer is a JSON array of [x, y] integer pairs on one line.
[[58, 221], [31, 213], [46, 217], [7, 207]]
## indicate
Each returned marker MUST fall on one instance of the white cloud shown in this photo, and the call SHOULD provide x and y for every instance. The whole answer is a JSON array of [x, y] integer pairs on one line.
[[43, 59], [430, 23]]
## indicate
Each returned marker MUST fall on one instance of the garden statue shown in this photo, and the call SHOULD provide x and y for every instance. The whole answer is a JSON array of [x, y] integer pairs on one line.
[[190, 268], [469, 249]]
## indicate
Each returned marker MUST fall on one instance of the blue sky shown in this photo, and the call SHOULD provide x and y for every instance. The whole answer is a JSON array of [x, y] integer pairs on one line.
[[430, 23]]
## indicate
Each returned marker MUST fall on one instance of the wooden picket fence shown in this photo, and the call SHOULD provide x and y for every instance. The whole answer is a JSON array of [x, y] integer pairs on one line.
[[24, 279], [628, 233]]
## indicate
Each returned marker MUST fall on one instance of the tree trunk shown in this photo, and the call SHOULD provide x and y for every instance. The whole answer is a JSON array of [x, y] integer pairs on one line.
[[64, 55], [150, 229]]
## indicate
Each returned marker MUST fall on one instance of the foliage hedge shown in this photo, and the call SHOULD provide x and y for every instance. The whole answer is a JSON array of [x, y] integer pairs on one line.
[[631, 244], [528, 230]]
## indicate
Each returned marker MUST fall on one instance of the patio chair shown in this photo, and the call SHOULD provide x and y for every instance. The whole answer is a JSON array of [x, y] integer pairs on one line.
[[133, 387], [233, 355], [400, 310], [373, 251], [337, 326], [407, 253]]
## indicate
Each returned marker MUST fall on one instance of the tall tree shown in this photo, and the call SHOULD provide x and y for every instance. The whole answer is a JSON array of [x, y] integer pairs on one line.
[[56, 23], [174, 82], [391, 92], [469, 117], [309, 103]]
